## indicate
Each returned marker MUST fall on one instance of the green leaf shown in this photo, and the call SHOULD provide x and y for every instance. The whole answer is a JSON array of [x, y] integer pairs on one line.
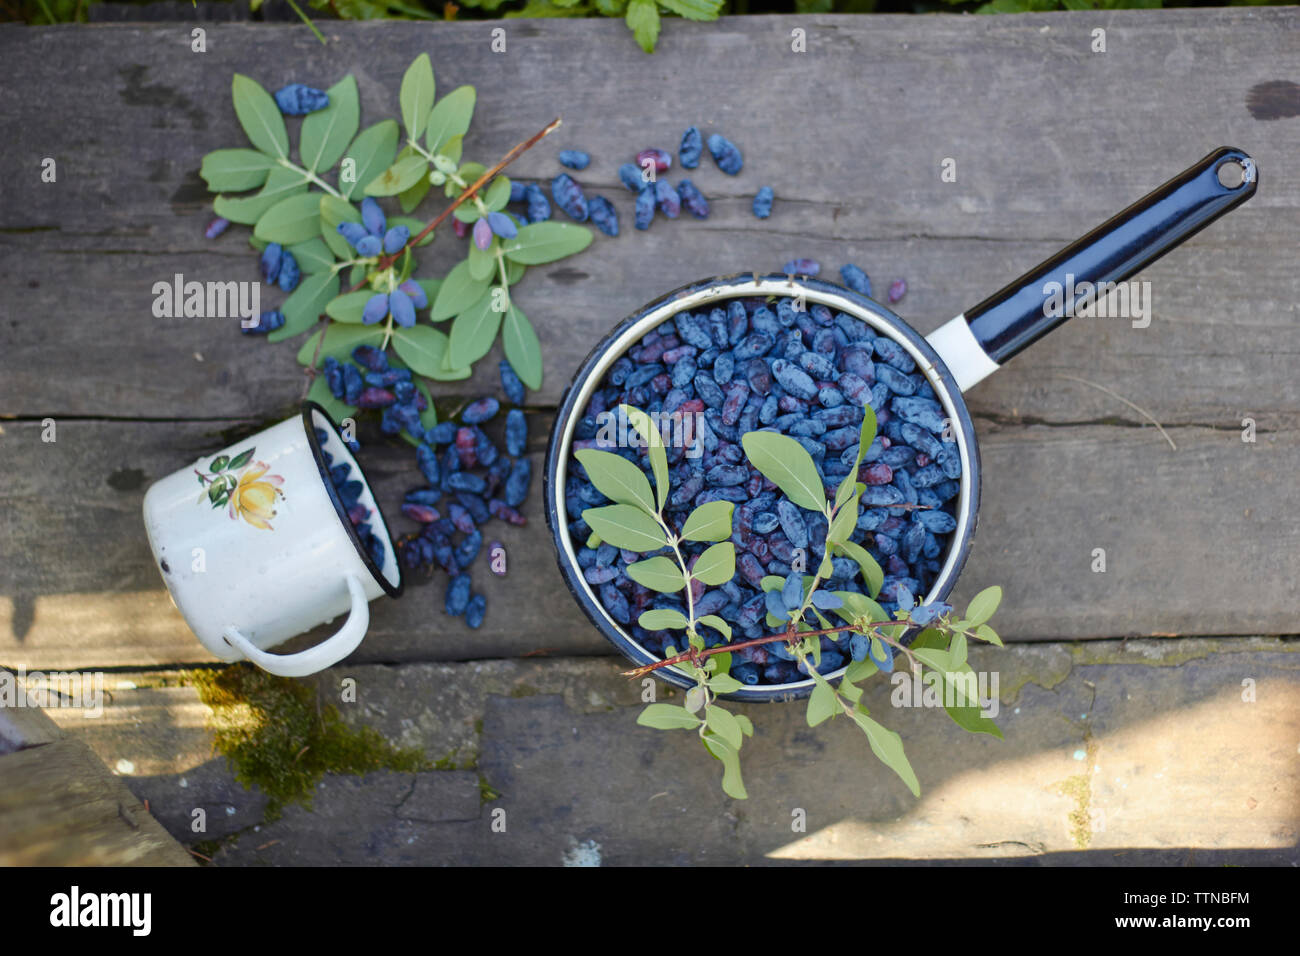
[[326, 133], [645, 427], [219, 464], [523, 350], [320, 394], [313, 255], [399, 177], [371, 153], [723, 683], [617, 478], [732, 785], [416, 97], [234, 170], [349, 306], [453, 148], [709, 522], [291, 220], [957, 651], [871, 571], [717, 565], [983, 605], [888, 748], [845, 523], [474, 331], [259, 116], [667, 717], [624, 526], [545, 242], [694, 9], [333, 212], [450, 117], [482, 262], [723, 723], [411, 197], [822, 704], [246, 210], [659, 573], [422, 348], [459, 291], [968, 714], [339, 342], [986, 633], [430, 287], [498, 194], [662, 619], [306, 304], [859, 670], [642, 19], [785, 463], [718, 624]]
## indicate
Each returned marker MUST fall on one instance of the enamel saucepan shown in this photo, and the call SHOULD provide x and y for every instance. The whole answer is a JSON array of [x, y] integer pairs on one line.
[[953, 358]]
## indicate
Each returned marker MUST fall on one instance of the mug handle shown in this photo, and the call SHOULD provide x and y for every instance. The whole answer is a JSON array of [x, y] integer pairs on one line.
[[323, 655]]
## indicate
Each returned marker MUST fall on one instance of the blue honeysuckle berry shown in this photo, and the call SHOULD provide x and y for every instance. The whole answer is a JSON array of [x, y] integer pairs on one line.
[[575, 158], [826, 601], [353, 384], [415, 292], [539, 207], [478, 412], [403, 310], [725, 154], [667, 199], [353, 232], [603, 214], [692, 148], [269, 262], [763, 202], [476, 611], [376, 309], [856, 279], [568, 196], [458, 595], [897, 289], [776, 606], [395, 239], [511, 383], [803, 267], [370, 246], [369, 357], [372, 216], [693, 200], [928, 613], [885, 660], [516, 432], [502, 225], [334, 376], [482, 234], [297, 99], [517, 191], [267, 322], [289, 272], [792, 592], [216, 227], [645, 207], [630, 176]]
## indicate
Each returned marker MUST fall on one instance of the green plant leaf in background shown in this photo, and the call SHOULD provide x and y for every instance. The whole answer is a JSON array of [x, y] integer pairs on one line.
[[306, 304], [259, 116], [659, 573], [399, 177], [422, 348], [474, 331], [291, 220], [313, 255], [642, 19], [709, 522], [458, 292], [668, 717], [339, 342], [662, 619], [617, 478], [625, 526], [280, 184], [717, 565]]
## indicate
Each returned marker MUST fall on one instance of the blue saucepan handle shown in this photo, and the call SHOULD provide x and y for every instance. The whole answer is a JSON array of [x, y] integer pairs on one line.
[[975, 343]]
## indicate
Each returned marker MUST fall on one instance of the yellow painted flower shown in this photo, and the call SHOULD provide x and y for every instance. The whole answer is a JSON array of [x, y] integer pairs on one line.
[[254, 497]]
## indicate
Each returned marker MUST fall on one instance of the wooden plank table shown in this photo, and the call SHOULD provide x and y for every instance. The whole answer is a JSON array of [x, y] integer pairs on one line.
[[1049, 139]]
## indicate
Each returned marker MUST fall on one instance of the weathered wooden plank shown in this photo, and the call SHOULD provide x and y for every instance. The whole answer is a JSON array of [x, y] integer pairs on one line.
[[1198, 541], [1046, 139], [59, 806]]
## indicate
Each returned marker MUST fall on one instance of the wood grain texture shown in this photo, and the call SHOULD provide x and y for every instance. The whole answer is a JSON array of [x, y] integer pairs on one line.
[[1198, 541], [1049, 140]]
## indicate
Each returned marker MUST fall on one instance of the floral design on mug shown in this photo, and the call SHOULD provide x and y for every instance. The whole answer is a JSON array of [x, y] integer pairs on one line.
[[243, 486]]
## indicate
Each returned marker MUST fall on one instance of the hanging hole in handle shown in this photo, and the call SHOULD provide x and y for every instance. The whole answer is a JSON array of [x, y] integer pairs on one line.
[[1235, 173]]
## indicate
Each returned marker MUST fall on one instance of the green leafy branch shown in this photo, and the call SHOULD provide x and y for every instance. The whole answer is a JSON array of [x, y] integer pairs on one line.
[[300, 204], [635, 522]]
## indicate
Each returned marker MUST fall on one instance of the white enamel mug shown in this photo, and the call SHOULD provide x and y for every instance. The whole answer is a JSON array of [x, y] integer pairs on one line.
[[255, 546]]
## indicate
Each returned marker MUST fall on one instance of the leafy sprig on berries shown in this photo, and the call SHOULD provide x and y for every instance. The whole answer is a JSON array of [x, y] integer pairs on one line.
[[635, 522], [308, 209]]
